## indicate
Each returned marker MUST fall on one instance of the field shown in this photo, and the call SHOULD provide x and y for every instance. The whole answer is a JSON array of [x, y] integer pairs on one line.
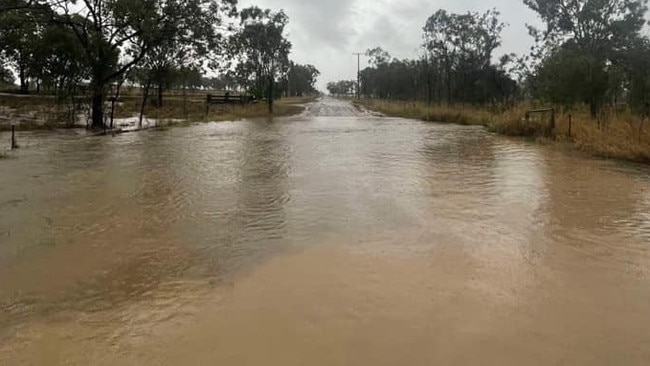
[[46, 112]]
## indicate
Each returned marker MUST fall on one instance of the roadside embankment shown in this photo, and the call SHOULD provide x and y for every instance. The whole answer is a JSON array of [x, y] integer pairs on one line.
[[618, 135]]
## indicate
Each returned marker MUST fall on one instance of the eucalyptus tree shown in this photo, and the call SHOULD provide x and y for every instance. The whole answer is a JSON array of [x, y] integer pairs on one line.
[[590, 37], [191, 37], [262, 50], [301, 79], [464, 45], [114, 34], [21, 28], [342, 87], [58, 61]]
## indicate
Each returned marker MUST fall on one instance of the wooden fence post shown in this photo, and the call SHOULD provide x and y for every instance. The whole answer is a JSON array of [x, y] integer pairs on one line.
[[552, 127], [14, 145]]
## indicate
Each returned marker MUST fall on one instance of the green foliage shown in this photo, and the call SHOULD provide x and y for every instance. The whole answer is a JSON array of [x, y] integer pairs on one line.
[[569, 76], [114, 35], [342, 88], [20, 36], [188, 36], [58, 62], [457, 66], [262, 51], [637, 66], [460, 49], [301, 80], [580, 54]]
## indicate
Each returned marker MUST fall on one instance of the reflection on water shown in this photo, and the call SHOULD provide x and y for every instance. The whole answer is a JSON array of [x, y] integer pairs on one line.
[[341, 236]]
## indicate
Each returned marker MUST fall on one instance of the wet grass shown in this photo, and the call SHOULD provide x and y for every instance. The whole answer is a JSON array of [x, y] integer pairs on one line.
[[45, 112], [619, 135], [194, 110]]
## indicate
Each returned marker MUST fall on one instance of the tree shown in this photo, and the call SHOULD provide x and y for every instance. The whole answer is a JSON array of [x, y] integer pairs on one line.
[[12, 5], [378, 56], [341, 88], [189, 36], [6, 77], [463, 45], [301, 79], [262, 50], [588, 37], [58, 61], [637, 67], [114, 34], [20, 32]]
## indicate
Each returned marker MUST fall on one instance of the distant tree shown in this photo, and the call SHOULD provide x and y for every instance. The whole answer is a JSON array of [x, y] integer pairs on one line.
[[261, 49], [301, 79], [58, 60], [378, 56], [462, 45], [342, 87], [190, 35], [6, 76], [222, 82]]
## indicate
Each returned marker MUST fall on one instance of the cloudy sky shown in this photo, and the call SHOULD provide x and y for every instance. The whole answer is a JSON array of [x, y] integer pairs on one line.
[[325, 33]]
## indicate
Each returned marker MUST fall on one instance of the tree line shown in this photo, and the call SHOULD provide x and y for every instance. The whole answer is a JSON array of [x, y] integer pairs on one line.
[[591, 53], [92, 47]]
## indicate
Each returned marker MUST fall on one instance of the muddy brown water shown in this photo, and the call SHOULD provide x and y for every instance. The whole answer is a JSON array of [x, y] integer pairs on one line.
[[331, 238]]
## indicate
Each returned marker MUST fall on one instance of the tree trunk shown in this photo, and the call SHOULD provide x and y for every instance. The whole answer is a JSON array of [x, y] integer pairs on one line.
[[145, 96], [97, 120], [24, 84], [593, 109], [160, 95], [270, 95]]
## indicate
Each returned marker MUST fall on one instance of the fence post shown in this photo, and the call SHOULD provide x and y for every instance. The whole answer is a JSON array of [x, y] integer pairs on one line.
[[112, 111], [207, 106], [14, 145], [570, 125], [552, 127]]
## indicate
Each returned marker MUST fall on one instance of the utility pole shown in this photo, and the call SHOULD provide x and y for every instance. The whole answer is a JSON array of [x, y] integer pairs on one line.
[[358, 54]]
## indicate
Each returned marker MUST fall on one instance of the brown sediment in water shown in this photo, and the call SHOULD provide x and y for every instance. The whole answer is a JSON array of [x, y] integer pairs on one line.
[[330, 306], [332, 238]]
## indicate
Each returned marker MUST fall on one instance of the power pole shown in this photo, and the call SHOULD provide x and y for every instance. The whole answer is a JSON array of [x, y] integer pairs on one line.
[[358, 54]]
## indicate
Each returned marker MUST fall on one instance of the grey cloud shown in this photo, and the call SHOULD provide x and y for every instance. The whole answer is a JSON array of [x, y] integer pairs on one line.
[[326, 33]]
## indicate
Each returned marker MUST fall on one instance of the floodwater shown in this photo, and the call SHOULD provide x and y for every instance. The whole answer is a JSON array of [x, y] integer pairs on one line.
[[331, 238]]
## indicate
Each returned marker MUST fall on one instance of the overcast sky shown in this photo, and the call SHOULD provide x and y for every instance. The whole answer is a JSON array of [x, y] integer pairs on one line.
[[325, 33]]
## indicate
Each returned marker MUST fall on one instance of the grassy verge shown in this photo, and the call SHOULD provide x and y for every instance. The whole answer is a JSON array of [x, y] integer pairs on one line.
[[194, 110], [620, 136], [42, 112]]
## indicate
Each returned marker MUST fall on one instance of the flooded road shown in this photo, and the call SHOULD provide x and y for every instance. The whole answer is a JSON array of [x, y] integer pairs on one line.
[[331, 238]]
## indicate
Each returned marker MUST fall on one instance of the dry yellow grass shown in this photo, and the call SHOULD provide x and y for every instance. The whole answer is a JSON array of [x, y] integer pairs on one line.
[[620, 135]]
